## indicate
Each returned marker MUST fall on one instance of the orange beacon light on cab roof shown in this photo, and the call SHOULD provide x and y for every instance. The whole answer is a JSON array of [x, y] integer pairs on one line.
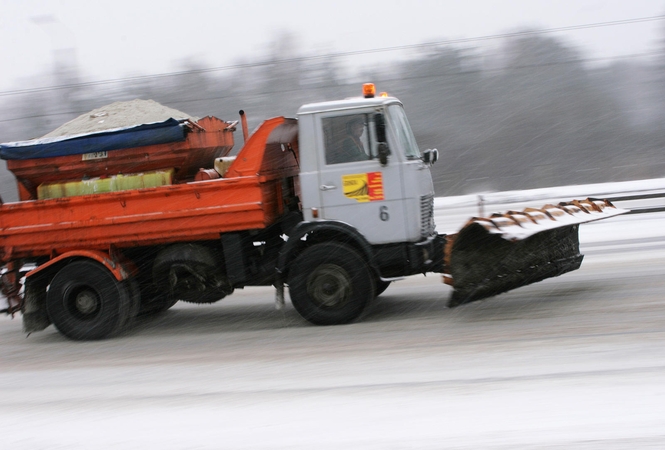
[[369, 90]]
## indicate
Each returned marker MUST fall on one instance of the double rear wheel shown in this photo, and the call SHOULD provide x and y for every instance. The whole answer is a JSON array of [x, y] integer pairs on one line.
[[85, 301]]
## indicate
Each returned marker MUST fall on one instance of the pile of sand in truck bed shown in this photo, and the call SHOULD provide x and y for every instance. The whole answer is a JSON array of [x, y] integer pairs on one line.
[[119, 115]]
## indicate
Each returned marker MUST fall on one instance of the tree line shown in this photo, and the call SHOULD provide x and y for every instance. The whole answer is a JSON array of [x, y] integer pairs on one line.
[[531, 112]]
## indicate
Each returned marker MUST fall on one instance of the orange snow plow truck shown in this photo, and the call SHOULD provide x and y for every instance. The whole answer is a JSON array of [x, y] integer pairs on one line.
[[334, 205]]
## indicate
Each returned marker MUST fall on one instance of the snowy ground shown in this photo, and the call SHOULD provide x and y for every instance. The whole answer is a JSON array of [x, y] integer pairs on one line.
[[573, 362]]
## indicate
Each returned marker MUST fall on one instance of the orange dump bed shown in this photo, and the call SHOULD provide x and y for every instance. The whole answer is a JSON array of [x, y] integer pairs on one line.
[[248, 196]]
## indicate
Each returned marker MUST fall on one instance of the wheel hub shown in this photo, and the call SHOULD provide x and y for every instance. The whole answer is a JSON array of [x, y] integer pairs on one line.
[[329, 286], [86, 302]]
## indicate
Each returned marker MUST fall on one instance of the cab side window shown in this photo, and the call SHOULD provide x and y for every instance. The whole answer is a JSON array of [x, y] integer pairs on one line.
[[346, 138]]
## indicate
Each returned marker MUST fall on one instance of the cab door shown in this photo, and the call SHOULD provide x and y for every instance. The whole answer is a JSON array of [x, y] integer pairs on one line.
[[354, 187]]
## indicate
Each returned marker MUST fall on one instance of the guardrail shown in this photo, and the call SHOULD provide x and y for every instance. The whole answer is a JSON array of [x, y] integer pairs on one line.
[[644, 209], [638, 196]]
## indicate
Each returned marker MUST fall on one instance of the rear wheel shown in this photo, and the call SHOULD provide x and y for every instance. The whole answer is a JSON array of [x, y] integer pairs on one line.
[[85, 301], [153, 301], [330, 284]]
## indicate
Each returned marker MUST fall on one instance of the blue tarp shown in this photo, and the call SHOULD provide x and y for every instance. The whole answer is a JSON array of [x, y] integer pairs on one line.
[[120, 138]]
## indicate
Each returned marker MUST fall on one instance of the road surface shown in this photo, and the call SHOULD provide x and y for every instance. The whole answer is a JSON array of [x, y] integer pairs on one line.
[[573, 362]]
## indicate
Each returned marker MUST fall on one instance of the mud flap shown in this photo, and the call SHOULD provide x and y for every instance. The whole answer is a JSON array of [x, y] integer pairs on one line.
[[493, 255]]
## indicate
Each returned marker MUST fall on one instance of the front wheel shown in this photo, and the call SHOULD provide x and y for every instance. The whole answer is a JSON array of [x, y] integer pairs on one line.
[[85, 301], [330, 284]]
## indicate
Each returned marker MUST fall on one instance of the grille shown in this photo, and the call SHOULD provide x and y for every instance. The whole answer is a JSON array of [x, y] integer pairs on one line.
[[427, 215]]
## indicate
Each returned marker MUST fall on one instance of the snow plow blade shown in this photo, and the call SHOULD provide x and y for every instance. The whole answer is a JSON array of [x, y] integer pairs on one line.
[[492, 255]]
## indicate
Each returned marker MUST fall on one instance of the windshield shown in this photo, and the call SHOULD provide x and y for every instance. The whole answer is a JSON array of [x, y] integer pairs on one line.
[[400, 125]]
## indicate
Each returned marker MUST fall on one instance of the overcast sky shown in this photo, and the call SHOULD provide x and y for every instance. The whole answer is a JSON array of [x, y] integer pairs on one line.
[[117, 38]]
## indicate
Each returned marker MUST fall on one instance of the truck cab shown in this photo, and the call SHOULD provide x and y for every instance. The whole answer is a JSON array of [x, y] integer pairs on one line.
[[366, 198], [360, 165]]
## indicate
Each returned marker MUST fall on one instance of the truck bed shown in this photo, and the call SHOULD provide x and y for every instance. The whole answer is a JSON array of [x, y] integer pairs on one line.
[[247, 197]]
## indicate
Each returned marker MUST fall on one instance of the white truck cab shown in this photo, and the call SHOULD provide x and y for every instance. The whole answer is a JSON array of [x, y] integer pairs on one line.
[[360, 165]]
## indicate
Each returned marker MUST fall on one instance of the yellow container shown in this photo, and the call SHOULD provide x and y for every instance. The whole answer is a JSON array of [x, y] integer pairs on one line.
[[102, 185], [92, 186]]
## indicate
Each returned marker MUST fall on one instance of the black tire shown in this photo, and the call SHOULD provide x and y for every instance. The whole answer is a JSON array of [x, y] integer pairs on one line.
[[381, 286], [86, 302], [154, 302], [150, 299], [135, 301], [330, 284]]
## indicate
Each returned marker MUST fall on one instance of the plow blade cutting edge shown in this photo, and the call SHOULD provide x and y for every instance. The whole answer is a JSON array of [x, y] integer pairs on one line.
[[492, 255]]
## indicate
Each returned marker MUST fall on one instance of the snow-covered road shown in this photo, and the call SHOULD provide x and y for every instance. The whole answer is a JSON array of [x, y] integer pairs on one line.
[[572, 362]]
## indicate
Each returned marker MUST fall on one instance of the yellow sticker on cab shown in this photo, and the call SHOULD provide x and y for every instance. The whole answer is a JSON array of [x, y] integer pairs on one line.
[[363, 187]]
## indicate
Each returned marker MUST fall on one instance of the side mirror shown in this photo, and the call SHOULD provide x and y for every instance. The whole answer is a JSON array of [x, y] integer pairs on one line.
[[384, 151], [430, 156], [380, 127], [382, 146]]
